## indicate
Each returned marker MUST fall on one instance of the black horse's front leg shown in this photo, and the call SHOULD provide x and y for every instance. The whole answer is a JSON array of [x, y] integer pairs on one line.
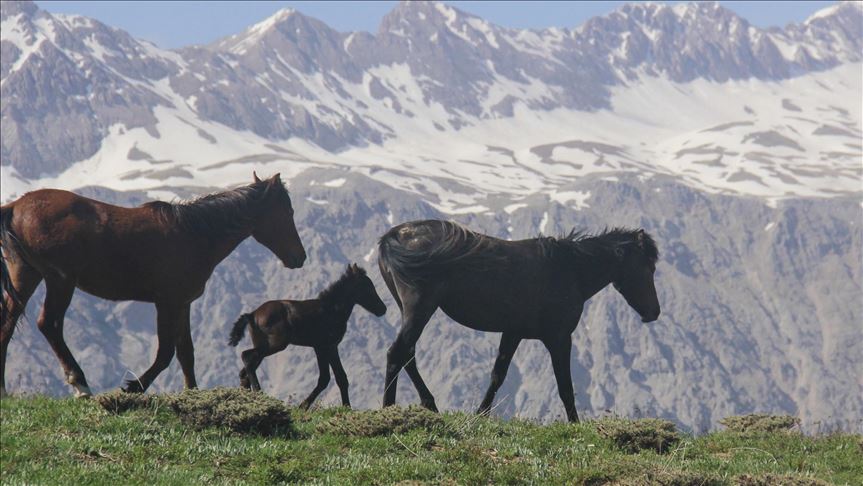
[[323, 377], [560, 348], [508, 345], [341, 376]]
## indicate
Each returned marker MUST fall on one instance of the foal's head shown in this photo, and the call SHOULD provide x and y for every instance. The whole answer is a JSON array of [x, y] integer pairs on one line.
[[274, 227], [637, 256], [356, 287]]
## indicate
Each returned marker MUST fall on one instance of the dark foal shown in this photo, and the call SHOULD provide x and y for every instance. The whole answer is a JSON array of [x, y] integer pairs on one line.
[[159, 252], [318, 323], [527, 289]]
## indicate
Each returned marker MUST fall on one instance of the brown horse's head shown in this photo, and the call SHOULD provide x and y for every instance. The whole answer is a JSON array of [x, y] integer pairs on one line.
[[275, 226], [635, 279]]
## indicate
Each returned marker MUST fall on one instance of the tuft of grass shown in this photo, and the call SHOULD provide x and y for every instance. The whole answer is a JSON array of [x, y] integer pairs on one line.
[[386, 421], [757, 422], [665, 477], [118, 401], [238, 409], [636, 435], [778, 480]]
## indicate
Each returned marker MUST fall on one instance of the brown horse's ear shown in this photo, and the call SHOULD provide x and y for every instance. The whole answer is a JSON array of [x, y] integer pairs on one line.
[[255, 175]]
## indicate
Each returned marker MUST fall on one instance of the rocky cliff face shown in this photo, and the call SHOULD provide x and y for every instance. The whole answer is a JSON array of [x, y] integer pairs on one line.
[[738, 148]]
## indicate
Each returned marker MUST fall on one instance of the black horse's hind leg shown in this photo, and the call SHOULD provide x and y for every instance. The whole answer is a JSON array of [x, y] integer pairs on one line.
[[560, 349], [58, 295], [415, 316], [25, 280], [508, 345], [323, 377], [251, 360], [186, 350], [168, 318], [341, 376], [426, 397]]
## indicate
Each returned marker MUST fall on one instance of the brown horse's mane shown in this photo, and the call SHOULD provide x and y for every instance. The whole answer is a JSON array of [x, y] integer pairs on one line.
[[223, 213], [335, 291]]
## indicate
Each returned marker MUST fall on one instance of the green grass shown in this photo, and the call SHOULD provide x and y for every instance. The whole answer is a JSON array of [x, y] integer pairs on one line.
[[68, 441]]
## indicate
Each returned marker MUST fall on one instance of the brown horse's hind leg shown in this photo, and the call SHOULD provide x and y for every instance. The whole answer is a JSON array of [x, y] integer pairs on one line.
[[25, 280], [508, 345], [251, 360], [168, 318], [186, 351], [58, 295]]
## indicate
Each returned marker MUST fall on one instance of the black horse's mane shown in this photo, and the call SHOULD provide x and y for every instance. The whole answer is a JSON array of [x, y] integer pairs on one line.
[[223, 213], [455, 245], [336, 290], [580, 244]]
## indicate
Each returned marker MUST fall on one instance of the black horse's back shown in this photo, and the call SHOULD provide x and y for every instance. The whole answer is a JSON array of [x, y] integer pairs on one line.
[[420, 250]]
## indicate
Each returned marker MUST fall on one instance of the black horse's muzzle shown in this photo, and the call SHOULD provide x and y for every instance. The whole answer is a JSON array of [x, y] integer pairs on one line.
[[651, 316]]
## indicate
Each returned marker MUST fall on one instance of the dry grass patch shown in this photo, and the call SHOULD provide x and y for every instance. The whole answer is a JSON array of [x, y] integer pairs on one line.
[[238, 409], [778, 480], [118, 401], [386, 421], [757, 422], [661, 477], [634, 436]]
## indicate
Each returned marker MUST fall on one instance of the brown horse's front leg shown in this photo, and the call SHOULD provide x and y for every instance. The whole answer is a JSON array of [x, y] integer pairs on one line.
[[341, 376], [323, 377], [186, 350], [168, 318]]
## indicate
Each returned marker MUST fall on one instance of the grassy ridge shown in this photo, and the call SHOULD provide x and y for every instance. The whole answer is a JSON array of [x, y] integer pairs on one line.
[[67, 441]]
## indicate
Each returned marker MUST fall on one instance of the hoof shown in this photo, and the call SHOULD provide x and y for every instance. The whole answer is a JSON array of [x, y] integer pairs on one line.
[[82, 391], [429, 404], [133, 386], [305, 405]]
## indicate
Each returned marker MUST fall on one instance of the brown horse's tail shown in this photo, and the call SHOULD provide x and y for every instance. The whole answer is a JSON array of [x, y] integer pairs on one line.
[[240, 328], [7, 244]]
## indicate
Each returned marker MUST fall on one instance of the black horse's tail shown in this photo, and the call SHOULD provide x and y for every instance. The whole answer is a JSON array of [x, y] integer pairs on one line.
[[240, 328], [445, 246], [6, 246]]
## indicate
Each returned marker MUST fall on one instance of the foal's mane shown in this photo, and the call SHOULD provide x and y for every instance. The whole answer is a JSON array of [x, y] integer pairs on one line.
[[222, 213], [581, 244], [336, 290]]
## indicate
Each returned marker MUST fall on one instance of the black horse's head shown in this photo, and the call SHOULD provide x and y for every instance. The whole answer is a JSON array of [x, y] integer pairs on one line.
[[364, 291], [634, 280]]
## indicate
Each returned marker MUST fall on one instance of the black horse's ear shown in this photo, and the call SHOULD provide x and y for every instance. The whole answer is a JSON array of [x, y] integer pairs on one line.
[[640, 238], [277, 178], [255, 175]]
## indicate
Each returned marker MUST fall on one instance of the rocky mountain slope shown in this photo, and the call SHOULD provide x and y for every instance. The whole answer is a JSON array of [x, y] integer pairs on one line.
[[739, 148]]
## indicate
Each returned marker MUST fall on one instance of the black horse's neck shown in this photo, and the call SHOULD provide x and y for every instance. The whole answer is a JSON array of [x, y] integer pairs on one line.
[[594, 274]]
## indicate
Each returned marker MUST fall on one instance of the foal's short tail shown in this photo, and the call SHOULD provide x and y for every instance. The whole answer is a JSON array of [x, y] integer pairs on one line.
[[6, 246], [240, 328]]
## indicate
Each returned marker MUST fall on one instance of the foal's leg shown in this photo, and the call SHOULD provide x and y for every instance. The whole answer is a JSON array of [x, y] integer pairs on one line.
[[58, 295], [323, 377], [168, 318], [508, 345], [341, 376], [185, 349], [560, 349], [25, 280], [251, 360], [415, 316]]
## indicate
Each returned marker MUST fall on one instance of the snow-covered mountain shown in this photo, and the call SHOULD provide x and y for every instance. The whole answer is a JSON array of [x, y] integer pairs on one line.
[[739, 147]]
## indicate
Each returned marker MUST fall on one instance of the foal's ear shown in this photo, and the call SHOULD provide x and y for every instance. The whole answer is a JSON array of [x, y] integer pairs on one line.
[[640, 238], [255, 175]]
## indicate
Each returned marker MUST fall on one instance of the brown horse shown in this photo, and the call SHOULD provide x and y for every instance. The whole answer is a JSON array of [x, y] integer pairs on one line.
[[158, 252]]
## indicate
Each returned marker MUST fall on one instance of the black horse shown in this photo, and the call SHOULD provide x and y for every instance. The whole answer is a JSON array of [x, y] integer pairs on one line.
[[527, 289], [319, 323]]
